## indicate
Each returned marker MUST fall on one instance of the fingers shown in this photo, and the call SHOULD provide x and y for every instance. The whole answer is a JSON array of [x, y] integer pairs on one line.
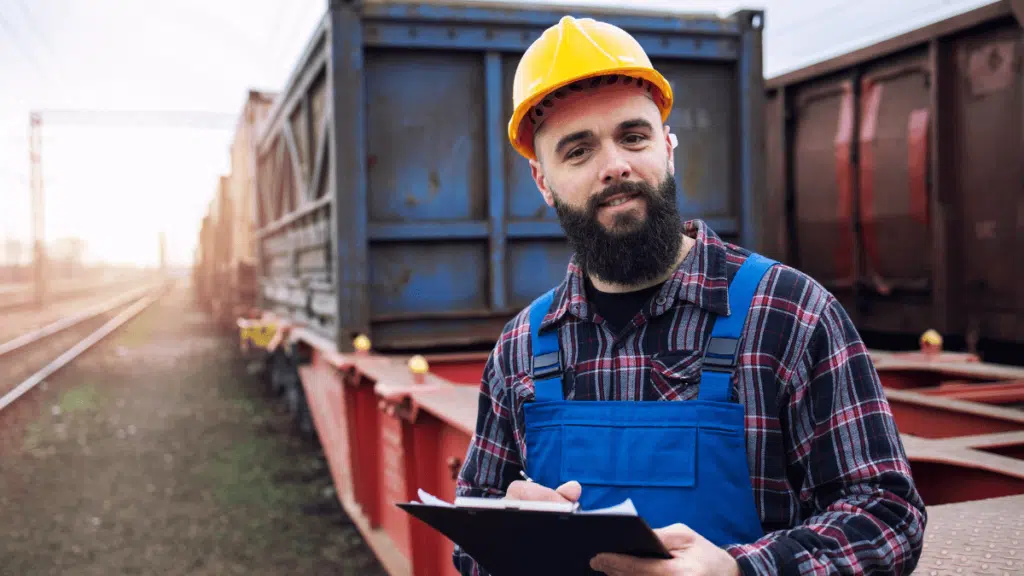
[[622, 565], [571, 490], [677, 536], [520, 490]]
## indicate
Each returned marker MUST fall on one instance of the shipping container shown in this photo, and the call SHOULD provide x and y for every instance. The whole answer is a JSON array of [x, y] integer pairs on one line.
[[896, 177], [220, 243], [242, 186], [226, 254], [389, 202]]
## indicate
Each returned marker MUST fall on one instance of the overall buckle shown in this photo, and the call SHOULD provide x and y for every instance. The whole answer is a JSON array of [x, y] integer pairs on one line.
[[721, 354], [546, 366]]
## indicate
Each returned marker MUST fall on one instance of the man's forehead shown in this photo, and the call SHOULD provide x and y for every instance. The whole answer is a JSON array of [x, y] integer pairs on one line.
[[598, 111]]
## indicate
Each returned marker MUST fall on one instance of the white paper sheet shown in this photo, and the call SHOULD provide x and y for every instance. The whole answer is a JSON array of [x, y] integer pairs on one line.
[[625, 508]]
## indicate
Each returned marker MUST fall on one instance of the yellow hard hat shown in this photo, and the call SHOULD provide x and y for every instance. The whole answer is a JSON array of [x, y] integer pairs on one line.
[[570, 51]]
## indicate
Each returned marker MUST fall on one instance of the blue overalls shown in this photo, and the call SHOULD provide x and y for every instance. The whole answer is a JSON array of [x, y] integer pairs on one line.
[[679, 461]]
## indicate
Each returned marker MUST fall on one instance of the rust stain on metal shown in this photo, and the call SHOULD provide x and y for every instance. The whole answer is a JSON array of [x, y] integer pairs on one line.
[[434, 181], [433, 189], [991, 68]]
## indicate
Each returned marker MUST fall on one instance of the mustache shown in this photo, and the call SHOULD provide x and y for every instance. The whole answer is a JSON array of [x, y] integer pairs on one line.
[[624, 187]]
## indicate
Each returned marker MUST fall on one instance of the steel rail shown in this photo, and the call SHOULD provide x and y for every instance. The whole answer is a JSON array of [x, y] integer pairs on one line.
[[144, 301], [70, 321]]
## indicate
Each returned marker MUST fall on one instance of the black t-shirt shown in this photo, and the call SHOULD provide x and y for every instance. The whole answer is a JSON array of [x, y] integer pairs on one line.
[[619, 308]]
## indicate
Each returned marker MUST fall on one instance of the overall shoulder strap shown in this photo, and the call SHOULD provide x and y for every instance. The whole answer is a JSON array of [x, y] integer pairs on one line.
[[722, 351], [547, 368]]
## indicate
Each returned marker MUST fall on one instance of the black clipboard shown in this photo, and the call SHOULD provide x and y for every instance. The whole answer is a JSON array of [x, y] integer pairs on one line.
[[516, 542]]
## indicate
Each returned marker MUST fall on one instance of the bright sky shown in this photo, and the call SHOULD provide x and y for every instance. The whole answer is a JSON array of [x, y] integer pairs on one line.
[[118, 187]]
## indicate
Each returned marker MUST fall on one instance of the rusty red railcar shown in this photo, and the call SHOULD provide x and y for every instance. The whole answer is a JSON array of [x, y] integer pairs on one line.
[[896, 175]]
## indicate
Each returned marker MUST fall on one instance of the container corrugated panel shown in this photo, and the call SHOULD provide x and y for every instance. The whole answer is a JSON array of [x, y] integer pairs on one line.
[[392, 205], [899, 176], [254, 115], [243, 257]]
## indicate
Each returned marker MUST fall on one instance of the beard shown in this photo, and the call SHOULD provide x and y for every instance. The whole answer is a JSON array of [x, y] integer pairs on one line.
[[637, 248]]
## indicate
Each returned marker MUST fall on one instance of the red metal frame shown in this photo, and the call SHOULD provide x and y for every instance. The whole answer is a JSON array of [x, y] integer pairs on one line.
[[387, 432]]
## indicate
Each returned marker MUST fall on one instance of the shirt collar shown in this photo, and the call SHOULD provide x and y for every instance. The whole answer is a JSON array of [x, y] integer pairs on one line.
[[701, 279]]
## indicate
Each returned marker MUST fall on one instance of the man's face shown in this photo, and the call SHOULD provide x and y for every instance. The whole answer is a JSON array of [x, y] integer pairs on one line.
[[605, 164]]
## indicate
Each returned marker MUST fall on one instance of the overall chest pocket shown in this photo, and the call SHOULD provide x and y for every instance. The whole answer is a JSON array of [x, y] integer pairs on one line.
[[674, 375], [635, 455]]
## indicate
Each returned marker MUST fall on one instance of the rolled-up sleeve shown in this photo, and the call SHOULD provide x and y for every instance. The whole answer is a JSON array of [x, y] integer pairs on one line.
[[845, 454]]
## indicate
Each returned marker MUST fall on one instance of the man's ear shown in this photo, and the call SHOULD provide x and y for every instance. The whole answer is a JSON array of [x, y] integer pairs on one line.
[[671, 143], [537, 171]]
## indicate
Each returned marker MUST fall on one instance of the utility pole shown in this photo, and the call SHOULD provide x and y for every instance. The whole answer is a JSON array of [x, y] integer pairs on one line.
[[38, 208], [196, 120], [163, 254]]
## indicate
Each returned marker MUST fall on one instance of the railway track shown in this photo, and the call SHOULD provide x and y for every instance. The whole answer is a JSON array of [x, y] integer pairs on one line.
[[30, 358], [20, 300]]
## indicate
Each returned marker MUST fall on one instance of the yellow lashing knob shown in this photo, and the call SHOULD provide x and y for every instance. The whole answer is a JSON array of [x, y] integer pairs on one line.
[[361, 343], [931, 338], [418, 365], [931, 341]]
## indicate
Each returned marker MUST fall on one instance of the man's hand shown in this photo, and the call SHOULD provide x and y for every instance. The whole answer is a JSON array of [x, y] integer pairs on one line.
[[694, 556], [520, 490]]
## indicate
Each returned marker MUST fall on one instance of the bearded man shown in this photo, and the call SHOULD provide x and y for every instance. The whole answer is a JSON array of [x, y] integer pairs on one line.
[[729, 397]]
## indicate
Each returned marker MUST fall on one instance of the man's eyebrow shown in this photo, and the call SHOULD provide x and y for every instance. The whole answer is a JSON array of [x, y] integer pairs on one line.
[[635, 123], [583, 134], [569, 139]]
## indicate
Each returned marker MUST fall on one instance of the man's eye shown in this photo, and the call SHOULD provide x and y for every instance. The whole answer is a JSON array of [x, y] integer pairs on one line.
[[633, 139]]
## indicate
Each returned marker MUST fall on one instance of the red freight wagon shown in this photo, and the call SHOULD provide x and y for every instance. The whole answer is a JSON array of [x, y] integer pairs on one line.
[[896, 177], [225, 259]]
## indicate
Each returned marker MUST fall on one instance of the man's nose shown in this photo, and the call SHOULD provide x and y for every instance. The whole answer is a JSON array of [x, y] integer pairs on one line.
[[616, 168]]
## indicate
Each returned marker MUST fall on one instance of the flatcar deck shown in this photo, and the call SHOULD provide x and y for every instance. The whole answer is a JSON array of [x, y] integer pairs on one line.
[[978, 537]]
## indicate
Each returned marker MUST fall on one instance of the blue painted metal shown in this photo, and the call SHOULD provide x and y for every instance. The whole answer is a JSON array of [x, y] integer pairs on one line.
[[439, 232], [542, 18], [429, 230], [752, 159], [464, 37], [534, 229], [349, 209], [495, 121]]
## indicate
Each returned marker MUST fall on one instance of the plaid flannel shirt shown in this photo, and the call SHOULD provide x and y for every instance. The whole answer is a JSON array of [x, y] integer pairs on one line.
[[831, 481]]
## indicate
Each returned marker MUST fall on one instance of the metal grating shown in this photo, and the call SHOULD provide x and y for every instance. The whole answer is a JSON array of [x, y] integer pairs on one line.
[[980, 537]]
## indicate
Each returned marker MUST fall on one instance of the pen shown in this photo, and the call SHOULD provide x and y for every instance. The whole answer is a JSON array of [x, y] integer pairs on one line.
[[575, 505]]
